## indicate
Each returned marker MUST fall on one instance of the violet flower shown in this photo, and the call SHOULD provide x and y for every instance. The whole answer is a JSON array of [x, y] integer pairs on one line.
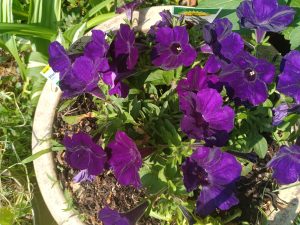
[[125, 160], [216, 172], [286, 164], [112, 217], [82, 176], [283, 110], [129, 8], [125, 45], [205, 118], [166, 21], [173, 49], [264, 16], [220, 40], [289, 79], [248, 77], [117, 87], [82, 74], [83, 154]]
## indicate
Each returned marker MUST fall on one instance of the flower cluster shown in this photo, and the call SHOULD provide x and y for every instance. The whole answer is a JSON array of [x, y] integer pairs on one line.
[[211, 95]]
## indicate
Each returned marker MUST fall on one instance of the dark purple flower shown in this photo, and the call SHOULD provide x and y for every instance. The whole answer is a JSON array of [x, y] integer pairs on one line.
[[83, 176], [198, 78], [116, 85], [125, 160], [289, 79], [173, 49], [82, 153], [125, 45], [264, 15], [248, 77], [283, 110], [129, 8], [220, 39], [286, 164], [166, 21], [204, 116], [112, 217], [216, 172], [82, 74]]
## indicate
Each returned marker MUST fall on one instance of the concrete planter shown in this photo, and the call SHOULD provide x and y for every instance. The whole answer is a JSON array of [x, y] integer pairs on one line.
[[45, 168]]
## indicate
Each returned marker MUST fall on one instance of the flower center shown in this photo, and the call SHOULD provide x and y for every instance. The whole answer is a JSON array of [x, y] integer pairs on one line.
[[250, 74], [176, 48], [200, 121], [203, 176]]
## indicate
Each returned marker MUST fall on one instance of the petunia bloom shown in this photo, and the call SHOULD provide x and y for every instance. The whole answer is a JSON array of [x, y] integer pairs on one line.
[[125, 45], [131, 217], [205, 118], [125, 160], [83, 154], [117, 87], [129, 8], [82, 176], [286, 164], [264, 16], [172, 48], [166, 21], [248, 77], [289, 79], [283, 110], [216, 172], [220, 40], [82, 74]]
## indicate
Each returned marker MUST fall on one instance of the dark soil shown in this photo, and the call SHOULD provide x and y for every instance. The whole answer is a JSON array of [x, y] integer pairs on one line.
[[90, 197]]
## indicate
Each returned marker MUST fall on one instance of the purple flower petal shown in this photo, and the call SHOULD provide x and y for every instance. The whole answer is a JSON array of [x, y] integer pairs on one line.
[[126, 160], [289, 79], [283, 110], [286, 164], [58, 58], [83, 176], [129, 8], [112, 217], [97, 47], [217, 173], [82, 153]]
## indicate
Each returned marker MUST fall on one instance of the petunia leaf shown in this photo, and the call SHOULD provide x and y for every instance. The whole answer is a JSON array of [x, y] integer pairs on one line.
[[261, 146], [294, 38], [160, 77]]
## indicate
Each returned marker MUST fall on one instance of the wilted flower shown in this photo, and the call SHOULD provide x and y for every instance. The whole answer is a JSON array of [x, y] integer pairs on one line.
[[82, 153], [173, 49], [117, 87], [166, 21], [125, 45], [286, 164], [264, 16], [289, 79], [205, 118], [216, 172], [129, 8], [83, 176], [125, 160], [248, 77], [112, 217], [82, 75], [283, 110], [220, 40]]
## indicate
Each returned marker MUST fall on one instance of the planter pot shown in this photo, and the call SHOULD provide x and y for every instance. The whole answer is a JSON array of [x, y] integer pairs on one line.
[[44, 166]]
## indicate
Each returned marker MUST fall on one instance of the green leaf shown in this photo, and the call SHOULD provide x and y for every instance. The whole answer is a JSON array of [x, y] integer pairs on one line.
[[99, 19], [72, 120], [75, 32], [160, 77], [35, 156], [100, 6], [261, 147], [151, 179], [6, 216], [295, 38]]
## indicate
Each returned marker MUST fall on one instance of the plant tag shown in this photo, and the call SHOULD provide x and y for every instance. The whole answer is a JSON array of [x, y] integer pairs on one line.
[[48, 73], [196, 15]]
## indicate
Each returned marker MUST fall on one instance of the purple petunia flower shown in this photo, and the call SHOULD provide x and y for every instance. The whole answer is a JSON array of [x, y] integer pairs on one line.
[[283, 110], [199, 78], [129, 8], [264, 16], [220, 40], [216, 172], [82, 74], [83, 176], [173, 49], [205, 118], [289, 79], [248, 77], [286, 164], [166, 21], [112, 217], [82, 153], [117, 87], [125, 45], [125, 160]]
